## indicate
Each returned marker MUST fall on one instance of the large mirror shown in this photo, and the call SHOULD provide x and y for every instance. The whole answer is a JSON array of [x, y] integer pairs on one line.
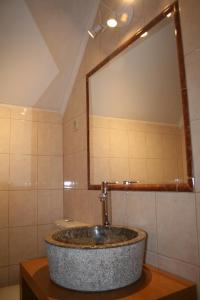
[[138, 125]]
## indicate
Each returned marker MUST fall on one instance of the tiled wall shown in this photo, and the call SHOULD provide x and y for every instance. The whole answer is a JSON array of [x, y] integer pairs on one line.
[[123, 149], [172, 220], [31, 176]]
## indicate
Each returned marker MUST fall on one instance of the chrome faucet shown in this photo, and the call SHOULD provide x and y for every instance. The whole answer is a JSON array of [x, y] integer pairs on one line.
[[104, 197]]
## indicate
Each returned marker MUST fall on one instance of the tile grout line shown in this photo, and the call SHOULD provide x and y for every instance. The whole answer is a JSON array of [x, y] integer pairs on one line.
[[9, 184], [196, 222], [156, 219], [37, 247]]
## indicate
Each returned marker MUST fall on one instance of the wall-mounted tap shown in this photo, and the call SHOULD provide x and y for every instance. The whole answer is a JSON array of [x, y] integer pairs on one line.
[[104, 197]]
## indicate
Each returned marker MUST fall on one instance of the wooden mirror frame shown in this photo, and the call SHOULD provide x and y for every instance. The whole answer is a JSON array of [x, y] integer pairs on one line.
[[182, 187]]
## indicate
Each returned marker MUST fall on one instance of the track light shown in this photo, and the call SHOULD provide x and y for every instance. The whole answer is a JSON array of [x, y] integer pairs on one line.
[[118, 18], [95, 30]]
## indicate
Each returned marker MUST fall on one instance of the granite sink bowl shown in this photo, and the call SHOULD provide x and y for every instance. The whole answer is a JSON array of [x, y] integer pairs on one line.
[[96, 258]]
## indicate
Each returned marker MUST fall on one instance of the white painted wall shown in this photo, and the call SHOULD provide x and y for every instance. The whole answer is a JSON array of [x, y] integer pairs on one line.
[[27, 66]]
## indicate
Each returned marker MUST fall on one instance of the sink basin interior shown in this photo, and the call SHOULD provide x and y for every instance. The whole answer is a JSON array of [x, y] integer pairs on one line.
[[94, 236]]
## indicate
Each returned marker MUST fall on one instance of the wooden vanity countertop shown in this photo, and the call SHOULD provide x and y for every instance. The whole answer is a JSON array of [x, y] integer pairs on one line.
[[154, 284]]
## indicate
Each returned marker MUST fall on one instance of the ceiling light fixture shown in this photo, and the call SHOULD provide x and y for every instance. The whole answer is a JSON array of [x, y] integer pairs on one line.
[[118, 18], [112, 22], [95, 30], [169, 15], [124, 18], [144, 34]]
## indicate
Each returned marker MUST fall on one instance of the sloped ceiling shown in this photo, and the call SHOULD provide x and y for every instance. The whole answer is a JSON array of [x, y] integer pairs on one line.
[[42, 43]]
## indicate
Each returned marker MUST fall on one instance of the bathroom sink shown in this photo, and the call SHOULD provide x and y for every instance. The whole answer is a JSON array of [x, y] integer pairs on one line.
[[96, 258]]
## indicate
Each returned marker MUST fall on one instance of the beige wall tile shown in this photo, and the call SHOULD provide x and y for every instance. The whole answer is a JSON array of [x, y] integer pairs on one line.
[[78, 106], [192, 64], [4, 135], [99, 142], [75, 135], [138, 169], [182, 170], [50, 172], [22, 208], [119, 208], [187, 271], [3, 209], [49, 117], [71, 207], [5, 111], [176, 225], [170, 170], [82, 205], [69, 169], [141, 212], [4, 247], [24, 113], [67, 138], [94, 208], [23, 171], [13, 275], [99, 122], [81, 169], [137, 144], [118, 143], [151, 258], [75, 169], [155, 172], [117, 123], [195, 128], [22, 244], [42, 232], [154, 144], [198, 215], [139, 126], [171, 144], [24, 137], [3, 276], [99, 170], [50, 206], [4, 171], [119, 169], [50, 139]]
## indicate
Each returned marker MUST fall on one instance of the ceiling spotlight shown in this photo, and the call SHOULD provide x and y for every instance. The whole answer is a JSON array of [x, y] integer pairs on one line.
[[95, 30], [144, 34], [124, 18], [169, 15], [112, 22]]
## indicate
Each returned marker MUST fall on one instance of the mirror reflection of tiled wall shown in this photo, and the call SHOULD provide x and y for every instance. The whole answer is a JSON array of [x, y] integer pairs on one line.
[[147, 152]]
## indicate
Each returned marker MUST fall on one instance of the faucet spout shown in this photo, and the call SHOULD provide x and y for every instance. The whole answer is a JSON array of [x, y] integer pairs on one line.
[[104, 196]]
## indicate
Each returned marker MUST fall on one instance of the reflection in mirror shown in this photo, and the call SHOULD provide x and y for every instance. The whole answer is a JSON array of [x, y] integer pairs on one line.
[[136, 120]]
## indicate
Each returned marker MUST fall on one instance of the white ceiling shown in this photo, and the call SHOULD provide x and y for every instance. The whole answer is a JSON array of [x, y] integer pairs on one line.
[[142, 83], [42, 43]]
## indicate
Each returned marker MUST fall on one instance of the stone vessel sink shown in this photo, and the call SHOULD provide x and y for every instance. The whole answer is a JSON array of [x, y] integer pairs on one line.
[[96, 258]]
